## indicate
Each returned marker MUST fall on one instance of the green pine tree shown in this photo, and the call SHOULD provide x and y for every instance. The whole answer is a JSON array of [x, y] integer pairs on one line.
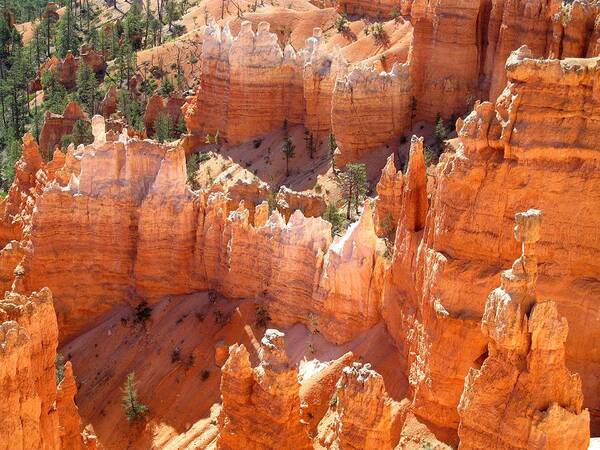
[[55, 94], [352, 182], [134, 409], [87, 88], [289, 151], [163, 125]]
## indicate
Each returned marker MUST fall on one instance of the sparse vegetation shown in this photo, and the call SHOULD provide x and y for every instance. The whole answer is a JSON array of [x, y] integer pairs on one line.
[[143, 312], [133, 408], [341, 23], [289, 151], [175, 355], [163, 125], [352, 182], [59, 364], [261, 318], [336, 217]]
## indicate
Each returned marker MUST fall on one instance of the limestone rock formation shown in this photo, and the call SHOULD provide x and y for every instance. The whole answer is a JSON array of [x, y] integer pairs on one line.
[[157, 105], [523, 396], [364, 416], [376, 8], [108, 105], [28, 339], [250, 87], [56, 126], [370, 109], [389, 198], [495, 170], [71, 437], [261, 405]]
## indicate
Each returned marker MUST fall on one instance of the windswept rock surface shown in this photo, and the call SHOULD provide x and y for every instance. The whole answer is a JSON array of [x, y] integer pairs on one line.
[[523, 396], [261, 405]]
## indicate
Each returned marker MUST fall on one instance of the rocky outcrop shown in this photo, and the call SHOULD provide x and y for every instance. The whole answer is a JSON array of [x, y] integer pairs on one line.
[[261, 405], [28, 339], [378, 8], [110, 192], [389, 199], [158, 105], [66, 69], [523, 396], [71, 437], [108, 105], [56, 126], [34, 413], [321, 70], [444, 66], [370, 109], [496, 170], [250, 86], [363, 415]]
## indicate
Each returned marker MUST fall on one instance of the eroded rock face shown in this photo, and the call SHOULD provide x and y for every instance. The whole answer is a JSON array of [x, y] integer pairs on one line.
[[496, 171], [100, 209], [158, 105], [523, 396], [261, 405], [250, 86], [56, 126], [370, 109], [376, 8], [362, 414]]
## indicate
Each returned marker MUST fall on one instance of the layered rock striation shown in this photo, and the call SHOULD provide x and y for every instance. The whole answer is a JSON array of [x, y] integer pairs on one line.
[[523, 396], [496, 170], [261, 405]]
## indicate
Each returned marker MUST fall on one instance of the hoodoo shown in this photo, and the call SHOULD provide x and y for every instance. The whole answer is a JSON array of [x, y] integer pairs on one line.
[[259, 225]]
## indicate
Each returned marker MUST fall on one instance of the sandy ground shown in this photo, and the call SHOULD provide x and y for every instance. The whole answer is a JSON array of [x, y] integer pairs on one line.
[[183, 393]]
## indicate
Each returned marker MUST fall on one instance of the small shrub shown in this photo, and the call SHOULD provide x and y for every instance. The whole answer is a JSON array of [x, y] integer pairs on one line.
[[59, 364], [142, 313], [262, 317], [204, 374], [257, 143], [134, 409], [341, 23], [212, 296], [333, 401], [219, 317], [200, 316], [175, 355]]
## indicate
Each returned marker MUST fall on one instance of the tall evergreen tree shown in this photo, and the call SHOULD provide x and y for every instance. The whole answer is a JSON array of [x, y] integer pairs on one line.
[[87, 88]]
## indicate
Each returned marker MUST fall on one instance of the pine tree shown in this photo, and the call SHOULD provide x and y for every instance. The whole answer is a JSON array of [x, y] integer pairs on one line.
[[441, 133], [163, 125], [334, 216], [166, 87], [87, 88], [352, 182], [133, 26], [55, 94], [131, 108], [332, 149], [289, 151], [134, 409], [67, 38]]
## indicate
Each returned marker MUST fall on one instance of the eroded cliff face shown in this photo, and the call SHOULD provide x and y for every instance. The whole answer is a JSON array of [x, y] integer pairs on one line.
[[370, 109], [250, 86], [496, 170], [33, 414], [261, 405], [99, 211], [523, 396], [362, 415]]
